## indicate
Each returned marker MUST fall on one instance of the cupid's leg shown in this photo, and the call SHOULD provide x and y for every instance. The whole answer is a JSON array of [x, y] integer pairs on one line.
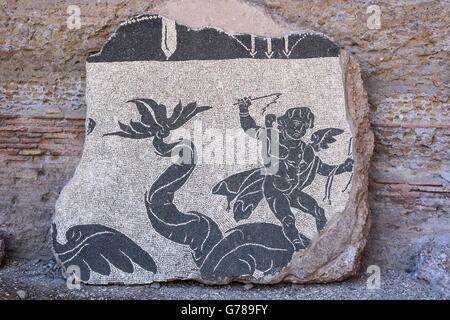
[[306, 203], [280, 206]]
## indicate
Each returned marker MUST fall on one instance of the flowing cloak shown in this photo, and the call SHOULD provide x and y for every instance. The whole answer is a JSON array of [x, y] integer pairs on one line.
[[245, 189]]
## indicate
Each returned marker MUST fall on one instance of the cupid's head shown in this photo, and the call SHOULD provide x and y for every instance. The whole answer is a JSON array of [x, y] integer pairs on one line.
[[295, 122]]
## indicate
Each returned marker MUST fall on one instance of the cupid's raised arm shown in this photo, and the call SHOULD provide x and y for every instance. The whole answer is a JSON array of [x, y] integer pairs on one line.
[[248, 124]]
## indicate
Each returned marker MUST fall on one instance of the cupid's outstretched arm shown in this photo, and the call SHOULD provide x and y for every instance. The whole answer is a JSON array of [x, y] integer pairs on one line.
[[323, 168], [326, 169]]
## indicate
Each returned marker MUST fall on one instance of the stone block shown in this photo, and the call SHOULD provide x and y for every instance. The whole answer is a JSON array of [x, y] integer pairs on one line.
[[218, 157]]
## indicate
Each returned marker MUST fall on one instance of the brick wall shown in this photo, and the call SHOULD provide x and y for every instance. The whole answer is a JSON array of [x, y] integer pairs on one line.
[[405, 69], [38, 154]]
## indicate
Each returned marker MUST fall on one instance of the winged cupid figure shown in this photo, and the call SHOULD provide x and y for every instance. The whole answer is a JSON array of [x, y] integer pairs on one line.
[[298, 164]]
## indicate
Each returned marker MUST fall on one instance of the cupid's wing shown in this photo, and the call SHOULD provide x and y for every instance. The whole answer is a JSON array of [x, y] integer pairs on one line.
[[93, 247], [323, 137]]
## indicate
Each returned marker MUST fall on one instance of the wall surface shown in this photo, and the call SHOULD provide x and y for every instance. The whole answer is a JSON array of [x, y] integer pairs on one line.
[[405, 69]]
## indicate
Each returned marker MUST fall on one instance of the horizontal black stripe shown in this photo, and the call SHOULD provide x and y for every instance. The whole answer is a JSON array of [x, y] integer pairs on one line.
[[139, 39]]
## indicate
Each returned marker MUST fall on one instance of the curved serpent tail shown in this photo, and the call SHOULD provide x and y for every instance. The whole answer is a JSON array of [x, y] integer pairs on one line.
[[194, 229]]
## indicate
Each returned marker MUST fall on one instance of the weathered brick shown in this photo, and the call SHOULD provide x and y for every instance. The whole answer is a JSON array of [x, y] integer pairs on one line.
[[76, 118], [31, 152], [29, 140], [20, 122], [402, 187], [389, 181], [20, 146], [13, 129], [8, 116], [75, 130], [30, 135], [52, 117], [9, 152], [45, 130], [59, 135], [9, 140]]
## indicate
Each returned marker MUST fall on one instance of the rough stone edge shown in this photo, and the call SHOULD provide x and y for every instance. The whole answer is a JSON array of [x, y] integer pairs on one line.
[[66, 186], [335, 254], [142, 17]]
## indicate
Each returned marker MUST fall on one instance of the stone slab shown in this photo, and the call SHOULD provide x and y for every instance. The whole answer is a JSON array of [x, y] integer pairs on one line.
[[217, 157]]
